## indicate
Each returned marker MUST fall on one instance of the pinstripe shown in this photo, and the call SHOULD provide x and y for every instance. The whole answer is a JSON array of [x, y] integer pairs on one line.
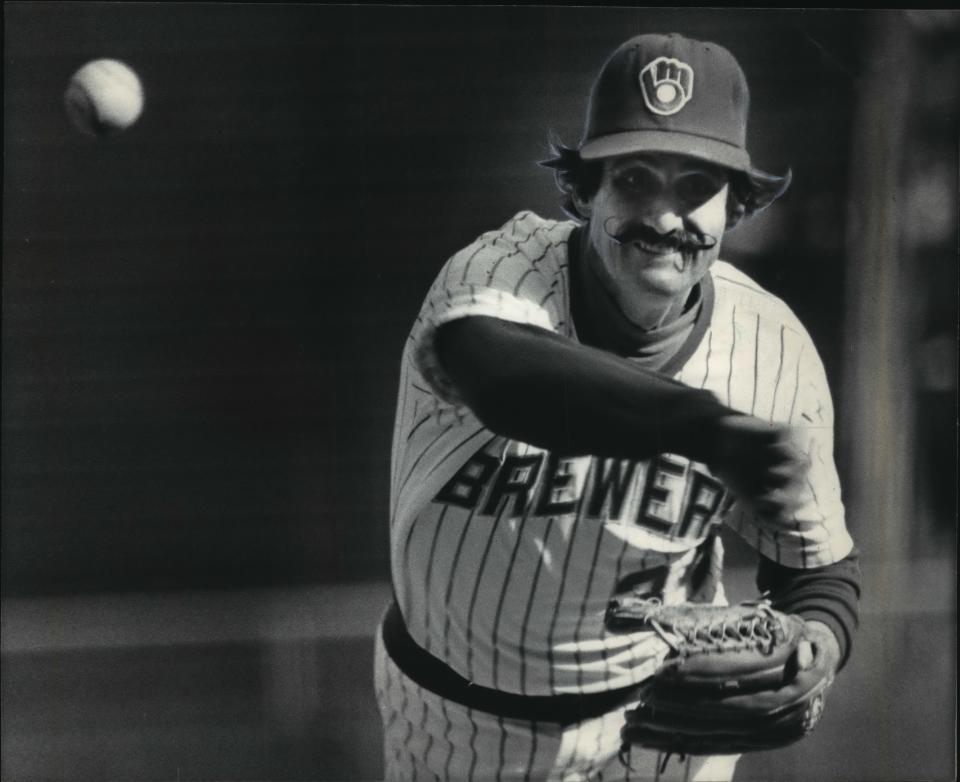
[[574, 532], [516, 251], [448, 726], [756, 365], [547, 250], [413, 755], [706, 363], [572, 759], [816, 502], [751, 288], [406, 719], [462, 444], [466, 267], [733, 344], [621, 558], [423, 725], [429, 579], [534, 232], [496, 264], [598, 752], [420, 458], [556, 609], [450, 581], [448, 267], [503, 594], [796, 389], [503, 743], [388, 685], [776, 386], [553, 290], [586, 600], [564, 285], [476, 589], [618, 574], [473, 745], [404, 396], [521, 280], [526, 614], [531, 759], [419, 388], [406, 368], [408, 575]]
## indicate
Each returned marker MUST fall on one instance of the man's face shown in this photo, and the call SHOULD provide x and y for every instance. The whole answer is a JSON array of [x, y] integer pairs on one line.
[[655, 227]]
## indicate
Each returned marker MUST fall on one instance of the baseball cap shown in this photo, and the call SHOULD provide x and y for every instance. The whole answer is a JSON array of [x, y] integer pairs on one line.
[[668, 93]]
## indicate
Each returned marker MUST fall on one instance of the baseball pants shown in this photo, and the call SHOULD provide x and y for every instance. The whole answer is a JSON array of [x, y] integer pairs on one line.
[[427, 737]]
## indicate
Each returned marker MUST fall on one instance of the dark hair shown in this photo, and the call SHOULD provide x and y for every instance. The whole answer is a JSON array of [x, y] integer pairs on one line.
[[749, 191], [573, 174]]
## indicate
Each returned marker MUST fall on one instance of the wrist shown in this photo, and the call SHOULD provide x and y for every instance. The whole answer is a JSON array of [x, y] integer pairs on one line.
[[824, 636]]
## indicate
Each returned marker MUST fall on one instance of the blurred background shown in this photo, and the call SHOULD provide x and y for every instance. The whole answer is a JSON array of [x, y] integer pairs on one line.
[[202, 325]]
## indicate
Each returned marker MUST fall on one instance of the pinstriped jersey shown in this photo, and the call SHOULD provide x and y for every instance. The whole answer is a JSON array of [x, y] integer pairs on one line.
[[504, 556]]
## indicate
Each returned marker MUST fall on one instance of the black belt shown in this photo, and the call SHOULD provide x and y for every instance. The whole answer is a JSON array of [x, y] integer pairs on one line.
[[435, 676]]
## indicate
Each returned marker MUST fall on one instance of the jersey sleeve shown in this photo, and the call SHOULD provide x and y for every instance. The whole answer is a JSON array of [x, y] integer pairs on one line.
[[817, 534], [516, 273]]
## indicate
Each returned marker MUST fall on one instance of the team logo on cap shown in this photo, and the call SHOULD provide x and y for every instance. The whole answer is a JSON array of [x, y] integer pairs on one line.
[[667, 85]]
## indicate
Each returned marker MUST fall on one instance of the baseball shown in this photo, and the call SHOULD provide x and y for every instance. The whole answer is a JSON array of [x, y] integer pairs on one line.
[[104, 97], [666, 93]]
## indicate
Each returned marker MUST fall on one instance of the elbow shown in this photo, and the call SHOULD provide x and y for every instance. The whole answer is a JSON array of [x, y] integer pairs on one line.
[[501, 376], [477, 355]]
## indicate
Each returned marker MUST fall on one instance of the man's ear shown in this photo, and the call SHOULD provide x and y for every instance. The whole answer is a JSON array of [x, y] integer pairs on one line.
[[736, 211], [584, 205]]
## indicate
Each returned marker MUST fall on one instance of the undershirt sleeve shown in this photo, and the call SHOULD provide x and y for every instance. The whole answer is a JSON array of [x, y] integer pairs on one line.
[[829, 594]]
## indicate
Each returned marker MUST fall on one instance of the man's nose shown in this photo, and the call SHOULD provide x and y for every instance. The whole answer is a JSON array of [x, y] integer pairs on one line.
[[663, 218]]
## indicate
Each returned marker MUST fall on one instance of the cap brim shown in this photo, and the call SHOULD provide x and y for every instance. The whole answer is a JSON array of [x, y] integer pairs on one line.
[[708, 149]]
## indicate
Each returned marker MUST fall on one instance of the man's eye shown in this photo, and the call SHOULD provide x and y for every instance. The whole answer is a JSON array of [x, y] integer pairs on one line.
[[698, 188], [638, 181]]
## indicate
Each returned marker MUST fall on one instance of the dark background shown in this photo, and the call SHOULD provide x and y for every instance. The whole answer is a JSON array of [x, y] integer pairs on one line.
[[203, 316], [201, 334]]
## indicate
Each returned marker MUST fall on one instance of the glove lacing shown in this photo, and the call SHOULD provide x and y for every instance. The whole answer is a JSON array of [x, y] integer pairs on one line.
[[761, 629]]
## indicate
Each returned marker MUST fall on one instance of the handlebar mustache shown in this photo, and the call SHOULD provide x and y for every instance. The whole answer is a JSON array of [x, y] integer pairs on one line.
[[678, 239]]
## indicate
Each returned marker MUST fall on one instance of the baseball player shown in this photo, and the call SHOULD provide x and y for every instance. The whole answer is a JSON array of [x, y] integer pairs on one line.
[[582, 403]]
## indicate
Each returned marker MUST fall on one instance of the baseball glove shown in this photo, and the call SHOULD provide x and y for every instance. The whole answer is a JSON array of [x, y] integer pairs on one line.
[[737, 678]]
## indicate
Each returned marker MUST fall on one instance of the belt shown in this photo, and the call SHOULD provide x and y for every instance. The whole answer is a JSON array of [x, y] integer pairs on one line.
[[437, 677]]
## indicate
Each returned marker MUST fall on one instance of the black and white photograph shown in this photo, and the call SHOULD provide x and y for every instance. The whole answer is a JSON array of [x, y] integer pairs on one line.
[[478, 393]]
